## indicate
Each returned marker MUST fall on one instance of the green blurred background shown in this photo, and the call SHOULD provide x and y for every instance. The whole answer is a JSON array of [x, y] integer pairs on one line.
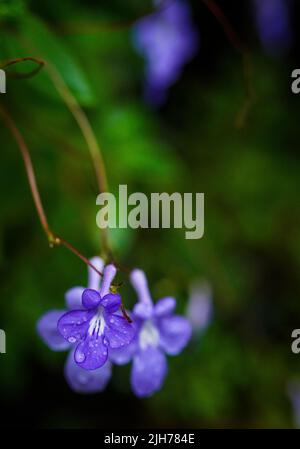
[[236, 375]]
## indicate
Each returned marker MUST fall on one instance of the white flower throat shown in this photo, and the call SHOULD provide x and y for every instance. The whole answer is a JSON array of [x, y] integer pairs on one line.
[[149, 335], [97, 323]]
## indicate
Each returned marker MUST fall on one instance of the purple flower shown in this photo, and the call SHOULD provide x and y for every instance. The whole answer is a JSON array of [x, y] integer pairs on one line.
[[200, 308], [293, 390], [159, 331], [79, 379], [273, 24], [96, 326], [167, 40]]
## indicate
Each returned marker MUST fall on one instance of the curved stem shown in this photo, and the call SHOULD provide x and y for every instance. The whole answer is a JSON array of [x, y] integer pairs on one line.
[[53, 239], [88, 133], [39, 62], [246, 57], [29, 169]]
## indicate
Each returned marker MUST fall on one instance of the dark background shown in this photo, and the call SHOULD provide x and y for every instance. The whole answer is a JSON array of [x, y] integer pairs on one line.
[[237, 373]]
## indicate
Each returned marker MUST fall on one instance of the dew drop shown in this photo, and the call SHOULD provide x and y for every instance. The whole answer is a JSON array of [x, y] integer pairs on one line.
[[79, 357], [71, 339]]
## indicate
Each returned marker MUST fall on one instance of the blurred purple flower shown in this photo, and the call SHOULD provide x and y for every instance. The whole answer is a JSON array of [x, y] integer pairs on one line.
[[273, 24], [159, 331], [168, 40], [294, 395], [199, 309], [79, 379], [96, 326]]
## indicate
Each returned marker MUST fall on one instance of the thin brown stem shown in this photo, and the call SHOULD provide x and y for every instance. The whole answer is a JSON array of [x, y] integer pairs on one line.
[[29, 169], [226, 25], [240, 47], [84, 125], [39, 62], [53, 239], [90, 138], [125, 315], [71, 248]]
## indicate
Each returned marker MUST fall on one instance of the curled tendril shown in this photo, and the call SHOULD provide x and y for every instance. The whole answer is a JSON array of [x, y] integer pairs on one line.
[[39, 62]]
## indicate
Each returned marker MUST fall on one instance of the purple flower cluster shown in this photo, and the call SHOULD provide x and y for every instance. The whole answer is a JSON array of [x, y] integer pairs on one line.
[[159, 332], [199, 309], [273, 24], [96, 327], [79, 379], [167, 40], [96, 334]]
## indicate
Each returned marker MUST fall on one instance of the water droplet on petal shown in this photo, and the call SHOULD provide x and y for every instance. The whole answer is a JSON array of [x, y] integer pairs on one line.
[[79, 357], [71, 339]]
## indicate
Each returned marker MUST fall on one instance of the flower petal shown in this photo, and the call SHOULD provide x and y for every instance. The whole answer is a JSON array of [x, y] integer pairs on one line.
[[91, 353], [175, 332], [139, 282], [73, 298], [121, 356], [73, 325], [111, 302], [84, 381], [143, 310], [199, 309], [47, 330], [148, 371], [118, 331], [109, 273], [90, 298], [94, 278], [164, 306]]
